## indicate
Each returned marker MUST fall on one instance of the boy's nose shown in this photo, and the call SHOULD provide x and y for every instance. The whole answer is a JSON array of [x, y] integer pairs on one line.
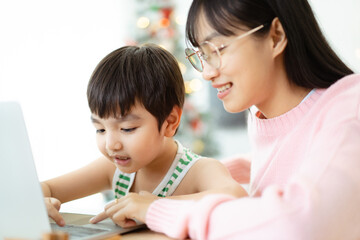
[[113, 142]]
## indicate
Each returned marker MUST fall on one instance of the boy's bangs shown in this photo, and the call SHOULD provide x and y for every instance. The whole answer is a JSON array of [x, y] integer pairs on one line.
[[116, 102]]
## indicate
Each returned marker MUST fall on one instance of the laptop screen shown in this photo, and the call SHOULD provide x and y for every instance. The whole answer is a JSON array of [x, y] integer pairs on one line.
[[22, 208]]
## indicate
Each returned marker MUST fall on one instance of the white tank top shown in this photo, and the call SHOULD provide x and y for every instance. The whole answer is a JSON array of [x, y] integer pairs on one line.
[[183, 161]]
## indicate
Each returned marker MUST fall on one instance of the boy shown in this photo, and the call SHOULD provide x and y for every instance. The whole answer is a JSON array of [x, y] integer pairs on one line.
[[136, 95]]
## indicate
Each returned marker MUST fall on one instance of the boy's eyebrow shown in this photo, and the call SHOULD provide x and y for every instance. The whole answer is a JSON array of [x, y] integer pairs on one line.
[[128, 117], [94, 120]]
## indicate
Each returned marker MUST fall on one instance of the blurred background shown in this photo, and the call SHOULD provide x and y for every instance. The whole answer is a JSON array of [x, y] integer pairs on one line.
[[48, 50]]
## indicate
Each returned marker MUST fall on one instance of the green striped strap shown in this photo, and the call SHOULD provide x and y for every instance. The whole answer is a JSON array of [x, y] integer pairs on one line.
[[122, 185]]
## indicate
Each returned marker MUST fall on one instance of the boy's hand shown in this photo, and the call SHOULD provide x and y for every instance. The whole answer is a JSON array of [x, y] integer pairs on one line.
[[123, 211], [53, 207]]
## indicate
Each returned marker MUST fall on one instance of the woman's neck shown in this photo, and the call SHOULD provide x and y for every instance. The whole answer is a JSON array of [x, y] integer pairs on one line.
[[284, 96]]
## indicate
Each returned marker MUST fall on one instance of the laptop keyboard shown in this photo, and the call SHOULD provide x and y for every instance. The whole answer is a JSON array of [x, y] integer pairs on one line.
[[77, 230]]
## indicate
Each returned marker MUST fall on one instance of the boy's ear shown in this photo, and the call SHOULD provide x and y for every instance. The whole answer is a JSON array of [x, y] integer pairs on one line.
[[172, 122], [278, 37]]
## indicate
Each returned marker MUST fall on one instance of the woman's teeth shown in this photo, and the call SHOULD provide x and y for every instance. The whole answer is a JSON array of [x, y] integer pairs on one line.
[[223, 88]]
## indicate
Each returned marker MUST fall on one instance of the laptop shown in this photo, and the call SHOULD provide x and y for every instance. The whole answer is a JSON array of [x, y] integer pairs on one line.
[[22, 208]]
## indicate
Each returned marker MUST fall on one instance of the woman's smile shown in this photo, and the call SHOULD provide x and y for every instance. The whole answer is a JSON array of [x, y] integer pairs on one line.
[[223, 89]]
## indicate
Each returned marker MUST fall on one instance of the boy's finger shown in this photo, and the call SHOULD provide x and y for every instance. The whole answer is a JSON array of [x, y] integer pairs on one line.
[[98, 218], [55, 202], [56, 216]]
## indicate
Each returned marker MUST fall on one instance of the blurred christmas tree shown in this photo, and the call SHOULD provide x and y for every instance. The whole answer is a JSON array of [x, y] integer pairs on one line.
[[157, 22]]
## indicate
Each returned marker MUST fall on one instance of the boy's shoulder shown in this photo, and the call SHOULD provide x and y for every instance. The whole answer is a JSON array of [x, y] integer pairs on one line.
[[207, 162], [187, 155]]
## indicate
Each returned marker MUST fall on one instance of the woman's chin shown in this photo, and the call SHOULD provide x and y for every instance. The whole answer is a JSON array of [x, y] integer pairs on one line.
[[230, 108]]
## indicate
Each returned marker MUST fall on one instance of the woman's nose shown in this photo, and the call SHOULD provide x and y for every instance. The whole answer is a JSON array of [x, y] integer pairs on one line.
[[113, 142], [209, 72]]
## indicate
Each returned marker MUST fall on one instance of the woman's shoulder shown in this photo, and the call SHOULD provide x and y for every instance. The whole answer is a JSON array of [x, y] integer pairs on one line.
[[348, 86], [354, 77], [342, 99], [349, 83]]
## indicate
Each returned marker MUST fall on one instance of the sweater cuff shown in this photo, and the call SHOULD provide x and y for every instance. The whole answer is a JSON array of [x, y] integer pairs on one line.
[[167, 216]]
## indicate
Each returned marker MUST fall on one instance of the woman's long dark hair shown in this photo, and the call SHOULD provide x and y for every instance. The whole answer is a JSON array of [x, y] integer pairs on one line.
[[309, 60]]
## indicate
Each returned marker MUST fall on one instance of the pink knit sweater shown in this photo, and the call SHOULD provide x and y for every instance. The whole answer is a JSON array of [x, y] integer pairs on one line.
[[305, 178]]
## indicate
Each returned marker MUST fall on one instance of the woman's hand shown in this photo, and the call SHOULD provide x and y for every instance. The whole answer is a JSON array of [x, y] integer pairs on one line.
[[53, 207], [126, 210]]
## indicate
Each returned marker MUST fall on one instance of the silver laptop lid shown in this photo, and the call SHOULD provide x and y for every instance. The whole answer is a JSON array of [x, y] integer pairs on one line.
[[22, 209]]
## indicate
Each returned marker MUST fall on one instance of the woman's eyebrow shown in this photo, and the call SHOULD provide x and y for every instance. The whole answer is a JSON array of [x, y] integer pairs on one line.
[[211, 36]]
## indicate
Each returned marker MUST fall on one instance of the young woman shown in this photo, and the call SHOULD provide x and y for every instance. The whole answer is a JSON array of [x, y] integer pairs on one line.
[[270, 56]]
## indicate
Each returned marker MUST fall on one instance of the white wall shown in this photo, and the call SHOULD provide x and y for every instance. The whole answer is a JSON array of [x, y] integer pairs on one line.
[[340, 21], [48, 50]]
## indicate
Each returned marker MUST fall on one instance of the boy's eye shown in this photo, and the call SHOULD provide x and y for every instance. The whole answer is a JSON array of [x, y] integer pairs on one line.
[[100, 130], [127, 130]]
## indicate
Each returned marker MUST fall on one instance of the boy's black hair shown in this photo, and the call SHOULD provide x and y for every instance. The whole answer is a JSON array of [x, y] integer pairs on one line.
[[147, 74], [309, 60]]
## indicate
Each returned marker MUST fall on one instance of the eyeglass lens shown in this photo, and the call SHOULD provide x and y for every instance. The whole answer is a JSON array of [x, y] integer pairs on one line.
[[194, 59], [209, 53]]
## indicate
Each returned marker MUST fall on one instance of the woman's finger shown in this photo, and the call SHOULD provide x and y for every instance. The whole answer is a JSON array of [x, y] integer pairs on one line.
[[120, 219], [98, 218], [107, 213]]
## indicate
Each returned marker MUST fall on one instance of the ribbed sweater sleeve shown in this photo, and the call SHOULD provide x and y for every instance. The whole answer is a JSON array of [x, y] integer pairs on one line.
[[239, 168], [188, 220]]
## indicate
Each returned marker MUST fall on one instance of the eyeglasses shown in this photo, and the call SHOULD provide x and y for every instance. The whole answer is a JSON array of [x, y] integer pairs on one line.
[[210, 53]]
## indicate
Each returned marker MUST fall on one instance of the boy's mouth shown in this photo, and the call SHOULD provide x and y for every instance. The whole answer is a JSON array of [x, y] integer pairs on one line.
[[122, 161]]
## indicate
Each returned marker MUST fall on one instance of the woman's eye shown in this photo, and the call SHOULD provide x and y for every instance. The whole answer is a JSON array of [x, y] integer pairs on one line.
[[100, 130], [222, 48], [127, 130]]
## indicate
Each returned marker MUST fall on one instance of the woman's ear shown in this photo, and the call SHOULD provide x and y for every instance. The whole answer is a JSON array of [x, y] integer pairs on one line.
[[172, 122], [278, 37]]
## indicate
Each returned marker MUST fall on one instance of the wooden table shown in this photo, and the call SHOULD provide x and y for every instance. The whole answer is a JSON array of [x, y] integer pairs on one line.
[[136, 234], [144, 234]]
